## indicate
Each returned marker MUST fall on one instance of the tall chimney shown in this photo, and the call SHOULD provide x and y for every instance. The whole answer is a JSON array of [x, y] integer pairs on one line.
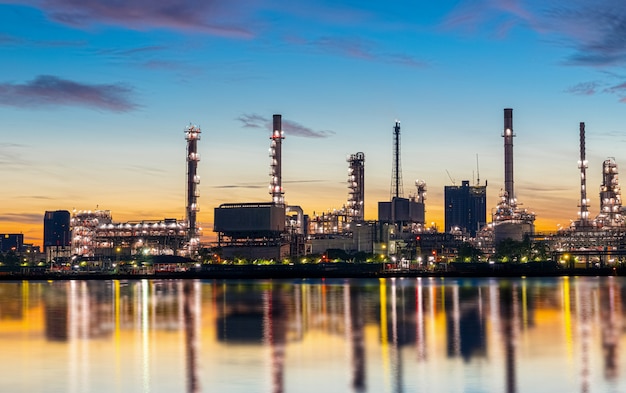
[[508, 135], [276, 183], [582, 164]]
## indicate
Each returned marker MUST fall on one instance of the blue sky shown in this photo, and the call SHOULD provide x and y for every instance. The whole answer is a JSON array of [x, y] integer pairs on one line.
[[94, 97]]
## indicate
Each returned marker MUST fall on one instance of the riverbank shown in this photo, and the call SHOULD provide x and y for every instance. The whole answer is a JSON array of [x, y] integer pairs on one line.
[[325, 270]]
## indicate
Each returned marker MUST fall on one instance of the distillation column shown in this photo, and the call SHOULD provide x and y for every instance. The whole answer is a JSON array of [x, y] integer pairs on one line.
[[610, 195], [582, 165], [508, 155], [356, 186], [192, 135], [276, 183]]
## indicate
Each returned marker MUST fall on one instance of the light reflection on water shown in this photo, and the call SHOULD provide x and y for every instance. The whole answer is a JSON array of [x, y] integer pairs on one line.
[[388, 335]]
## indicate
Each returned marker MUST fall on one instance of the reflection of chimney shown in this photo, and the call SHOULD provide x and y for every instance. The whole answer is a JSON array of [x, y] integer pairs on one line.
[[508, 309], [508, 135], [275, 334], [190, 311]]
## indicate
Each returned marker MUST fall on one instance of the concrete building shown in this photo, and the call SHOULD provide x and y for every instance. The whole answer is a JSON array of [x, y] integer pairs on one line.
[[465, 208], [57, 237]]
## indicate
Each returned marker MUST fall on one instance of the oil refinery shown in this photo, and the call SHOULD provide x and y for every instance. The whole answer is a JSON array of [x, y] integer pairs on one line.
[[276, 231]]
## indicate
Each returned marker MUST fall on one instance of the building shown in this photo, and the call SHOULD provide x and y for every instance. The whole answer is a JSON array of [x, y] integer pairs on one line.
[[11, 242], [465, 207], [57, 237]]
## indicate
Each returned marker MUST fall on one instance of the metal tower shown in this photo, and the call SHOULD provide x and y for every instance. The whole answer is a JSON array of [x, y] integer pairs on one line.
[[356, 185], [276, 183], [508, 135], [396, 173], [582, 165], [610, 196], [192, 135]]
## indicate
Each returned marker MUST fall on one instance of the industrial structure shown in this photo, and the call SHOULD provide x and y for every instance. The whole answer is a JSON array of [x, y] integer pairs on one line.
[[601, 240], [94, 234], [465, 208], [509, 220], [192, 135], [261, 229], [407, 214], [57, 237], [356, 185], [397, 190], [275, 230]]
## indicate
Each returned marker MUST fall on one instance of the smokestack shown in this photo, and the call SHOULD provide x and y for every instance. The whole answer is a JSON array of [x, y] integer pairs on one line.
[[396, 172], [192, 135], [508, 135], [582, 164], [276, 183]]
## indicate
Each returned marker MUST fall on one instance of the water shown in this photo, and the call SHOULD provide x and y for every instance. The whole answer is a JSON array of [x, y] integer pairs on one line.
[[389, 335]]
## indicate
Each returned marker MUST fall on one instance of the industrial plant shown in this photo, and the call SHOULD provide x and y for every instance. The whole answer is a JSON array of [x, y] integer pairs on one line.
[[272, 230]]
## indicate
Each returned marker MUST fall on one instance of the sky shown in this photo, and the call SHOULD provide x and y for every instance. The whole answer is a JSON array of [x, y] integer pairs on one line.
[[95, 96]]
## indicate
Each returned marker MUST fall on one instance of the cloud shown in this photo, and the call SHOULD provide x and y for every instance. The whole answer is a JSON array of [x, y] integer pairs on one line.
[[12, 156], [47, 90], [28, 218], [584, 88], [208, 16], [617, 89], [254, 121], [265, 185], [595, 31], [289, 127], [359, 49]]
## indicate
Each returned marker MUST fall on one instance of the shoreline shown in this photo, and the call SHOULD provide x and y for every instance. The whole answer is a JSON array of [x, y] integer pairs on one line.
[[331, 270]]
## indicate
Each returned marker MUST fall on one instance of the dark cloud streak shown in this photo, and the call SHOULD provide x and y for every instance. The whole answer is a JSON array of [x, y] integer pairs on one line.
[[29, 218], [47, 90], [253, 120]]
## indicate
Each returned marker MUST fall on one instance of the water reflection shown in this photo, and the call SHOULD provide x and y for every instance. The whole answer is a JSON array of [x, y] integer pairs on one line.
[[392, 335]]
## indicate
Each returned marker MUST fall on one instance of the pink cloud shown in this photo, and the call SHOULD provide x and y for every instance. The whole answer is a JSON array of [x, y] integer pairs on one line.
[[223, 18]]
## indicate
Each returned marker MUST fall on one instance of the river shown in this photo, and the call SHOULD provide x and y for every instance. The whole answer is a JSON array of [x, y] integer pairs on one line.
[[562, 334]]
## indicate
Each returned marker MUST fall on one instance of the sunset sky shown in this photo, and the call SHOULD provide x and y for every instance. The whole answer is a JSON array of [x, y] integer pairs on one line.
[[95, 95]]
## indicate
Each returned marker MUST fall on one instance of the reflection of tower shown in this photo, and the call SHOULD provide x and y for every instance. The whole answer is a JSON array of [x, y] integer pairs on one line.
[[465, 328], [396, 173], [356, 185], [508, 309], [192, 135], [191, 317], [275, 335], [584, 301], [276, 182], [420, 336], [611, 324], [355, 332]]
